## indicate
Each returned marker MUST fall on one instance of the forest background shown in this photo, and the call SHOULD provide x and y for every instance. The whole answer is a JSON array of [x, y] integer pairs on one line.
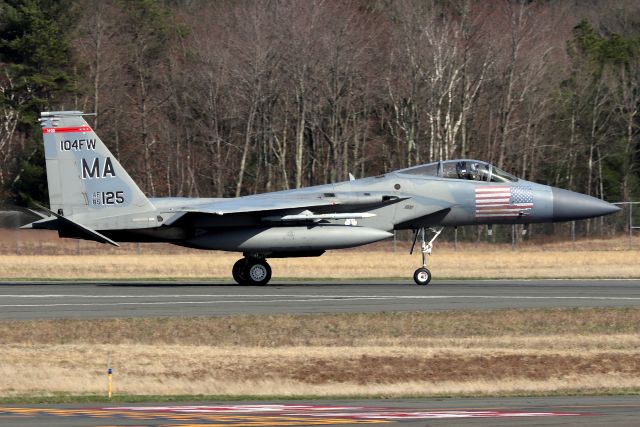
[[227, 98]]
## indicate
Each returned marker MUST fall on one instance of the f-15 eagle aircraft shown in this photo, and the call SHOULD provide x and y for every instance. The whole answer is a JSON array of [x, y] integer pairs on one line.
[[92, 197]]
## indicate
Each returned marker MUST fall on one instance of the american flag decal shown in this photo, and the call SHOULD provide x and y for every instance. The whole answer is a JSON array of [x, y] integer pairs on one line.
[[503, 201]]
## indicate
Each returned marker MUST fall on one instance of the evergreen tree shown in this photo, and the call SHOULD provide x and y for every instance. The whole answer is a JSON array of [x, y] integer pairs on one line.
[[36, 55]]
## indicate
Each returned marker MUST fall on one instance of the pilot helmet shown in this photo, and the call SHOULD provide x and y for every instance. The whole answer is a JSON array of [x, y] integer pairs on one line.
[[473, 170]]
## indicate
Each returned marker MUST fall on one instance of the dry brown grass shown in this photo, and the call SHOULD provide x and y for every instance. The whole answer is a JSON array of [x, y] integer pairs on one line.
[[335, 264], [491, 352], [361, 329], [140, 369]]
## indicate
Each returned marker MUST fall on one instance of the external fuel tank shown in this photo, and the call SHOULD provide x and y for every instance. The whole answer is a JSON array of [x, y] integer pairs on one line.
[[302, 238]]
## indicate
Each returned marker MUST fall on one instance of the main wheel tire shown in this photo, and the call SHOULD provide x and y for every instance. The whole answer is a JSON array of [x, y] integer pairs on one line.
[[258, 273], [422, 276], [239, 271]]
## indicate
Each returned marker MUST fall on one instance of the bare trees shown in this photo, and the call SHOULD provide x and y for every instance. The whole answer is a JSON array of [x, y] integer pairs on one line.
[[439, 62], [233, 97], [9, 118]]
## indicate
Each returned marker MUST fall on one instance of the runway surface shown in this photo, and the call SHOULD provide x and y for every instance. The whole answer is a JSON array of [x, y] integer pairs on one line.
[[46, 300], [583, 411]]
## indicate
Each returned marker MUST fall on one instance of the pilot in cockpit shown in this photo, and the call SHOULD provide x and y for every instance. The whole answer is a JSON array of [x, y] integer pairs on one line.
[[475, 171]]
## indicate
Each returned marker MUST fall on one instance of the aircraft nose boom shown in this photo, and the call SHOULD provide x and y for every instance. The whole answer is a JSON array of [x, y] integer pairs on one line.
[[569, 205]]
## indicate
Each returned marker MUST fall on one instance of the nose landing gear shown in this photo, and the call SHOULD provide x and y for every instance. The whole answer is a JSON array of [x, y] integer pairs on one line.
[[251, 271], [422, 276]]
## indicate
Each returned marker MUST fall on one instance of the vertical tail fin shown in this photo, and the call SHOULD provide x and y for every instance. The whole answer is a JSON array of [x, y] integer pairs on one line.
[[82, 174]]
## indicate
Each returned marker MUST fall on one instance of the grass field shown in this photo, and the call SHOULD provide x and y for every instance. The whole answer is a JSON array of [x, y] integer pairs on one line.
[[385, 354]]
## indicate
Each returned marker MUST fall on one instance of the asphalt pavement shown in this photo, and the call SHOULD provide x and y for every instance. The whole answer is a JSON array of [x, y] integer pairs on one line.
[[538, 411], [108, 299]]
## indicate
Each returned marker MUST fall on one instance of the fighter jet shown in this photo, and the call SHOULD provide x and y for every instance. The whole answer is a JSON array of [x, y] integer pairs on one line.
[[92, 197]]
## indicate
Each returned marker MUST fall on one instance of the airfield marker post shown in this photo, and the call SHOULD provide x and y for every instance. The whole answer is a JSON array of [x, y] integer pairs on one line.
[[109, 378], [110, 381]]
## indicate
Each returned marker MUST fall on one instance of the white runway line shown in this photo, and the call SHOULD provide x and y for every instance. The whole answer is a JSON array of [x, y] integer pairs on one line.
[[314, 296], [293, 298]]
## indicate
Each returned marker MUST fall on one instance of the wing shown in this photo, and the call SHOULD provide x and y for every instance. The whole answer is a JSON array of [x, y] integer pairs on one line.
[[291, 206], [257, 204]]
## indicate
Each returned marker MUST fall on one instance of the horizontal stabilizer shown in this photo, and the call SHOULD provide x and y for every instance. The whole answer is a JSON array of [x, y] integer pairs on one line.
[[85, 232], [40, 214]]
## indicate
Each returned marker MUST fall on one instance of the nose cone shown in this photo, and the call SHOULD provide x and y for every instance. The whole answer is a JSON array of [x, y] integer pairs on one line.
[[568, 206]]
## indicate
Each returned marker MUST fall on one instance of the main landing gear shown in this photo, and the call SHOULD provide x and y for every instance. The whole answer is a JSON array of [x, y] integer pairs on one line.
[[422, 276], [251, 271]]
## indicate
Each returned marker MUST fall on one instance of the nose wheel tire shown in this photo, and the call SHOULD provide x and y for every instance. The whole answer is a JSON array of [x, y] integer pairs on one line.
[[422, 276], [253, 272]]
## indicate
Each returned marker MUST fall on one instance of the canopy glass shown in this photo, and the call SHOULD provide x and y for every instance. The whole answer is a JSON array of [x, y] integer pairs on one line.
[[474, 170]]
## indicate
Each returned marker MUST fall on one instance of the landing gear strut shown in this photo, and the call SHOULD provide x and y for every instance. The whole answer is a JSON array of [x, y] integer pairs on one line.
[[251, 271], [422, 276]]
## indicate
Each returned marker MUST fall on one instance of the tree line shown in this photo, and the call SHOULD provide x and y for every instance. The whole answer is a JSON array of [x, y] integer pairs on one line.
[[233, 97]]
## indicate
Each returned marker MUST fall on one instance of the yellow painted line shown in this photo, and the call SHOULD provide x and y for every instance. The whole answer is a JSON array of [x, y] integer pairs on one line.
[[59, 412], [22, 411], [211, 420], [272, 423], [196, 425], [144, 416], [19, 410]]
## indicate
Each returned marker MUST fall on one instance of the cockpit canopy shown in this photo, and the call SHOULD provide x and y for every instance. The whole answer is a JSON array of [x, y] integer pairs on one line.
[[474, 170]]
